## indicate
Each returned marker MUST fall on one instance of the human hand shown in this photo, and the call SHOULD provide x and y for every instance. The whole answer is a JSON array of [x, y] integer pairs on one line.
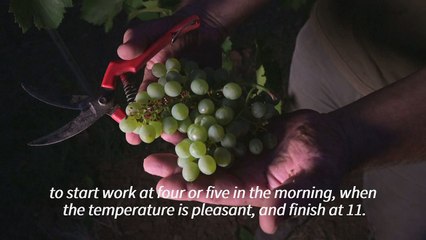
[[312, 152], [202, 46]]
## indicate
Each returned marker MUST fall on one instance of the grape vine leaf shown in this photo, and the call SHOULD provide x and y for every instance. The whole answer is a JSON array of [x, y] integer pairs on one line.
[[99, 12], [42, 13], [260, 76], [146, 10]]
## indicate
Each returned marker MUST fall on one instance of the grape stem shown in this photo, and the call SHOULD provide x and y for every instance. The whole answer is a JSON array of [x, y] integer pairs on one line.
[[255, 86]]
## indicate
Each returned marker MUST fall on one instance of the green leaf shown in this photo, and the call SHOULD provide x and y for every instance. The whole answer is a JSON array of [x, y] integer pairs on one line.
[[101, 12], [227, 45], [151, 4], [147, 16], [260, 76], [41, 13], [134, 3]]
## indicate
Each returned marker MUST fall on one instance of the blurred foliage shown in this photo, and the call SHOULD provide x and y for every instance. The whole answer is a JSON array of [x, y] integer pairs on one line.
[[48, 14], [41, 13]]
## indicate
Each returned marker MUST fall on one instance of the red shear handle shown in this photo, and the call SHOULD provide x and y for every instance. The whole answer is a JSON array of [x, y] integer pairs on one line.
[[118, 115], [117, 68]]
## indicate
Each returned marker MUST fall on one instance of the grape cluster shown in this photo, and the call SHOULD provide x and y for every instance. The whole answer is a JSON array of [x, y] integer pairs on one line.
[[216, 114]]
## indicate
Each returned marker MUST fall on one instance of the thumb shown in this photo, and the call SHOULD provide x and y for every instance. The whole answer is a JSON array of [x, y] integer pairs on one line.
[[136, 39]]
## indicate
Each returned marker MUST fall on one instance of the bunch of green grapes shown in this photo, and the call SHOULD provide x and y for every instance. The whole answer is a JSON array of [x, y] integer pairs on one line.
[[221, 118]]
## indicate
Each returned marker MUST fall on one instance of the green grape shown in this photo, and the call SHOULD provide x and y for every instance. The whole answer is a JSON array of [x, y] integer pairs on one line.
[[199, 86], [172, 88], [269, 140], [224, 115], [173, 63], [158, 127], [190, 127], [128, 124], [180, 111], [234, 104], [216, 133], [190, 171], [255, 146], [162, 81], [147, 133], [182, 148], [194, 114], [173, 76], [229, 140], [138, 126], [189, 66], [197, 73], [159, 70], [197, 149], [183, 125], [181, 162], [197, 120], [207, 121], [197, 133], [270, 111], [240, 149], [258, 109], [170, 125], [222, 156], [183, 79], [155, 90], [238, 127], [206, 106], [232, 91], [134, 109], [207, 164], [142, 97]]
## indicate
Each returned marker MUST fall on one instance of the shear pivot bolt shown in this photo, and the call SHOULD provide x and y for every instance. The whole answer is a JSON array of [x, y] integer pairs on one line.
[[103, 100]]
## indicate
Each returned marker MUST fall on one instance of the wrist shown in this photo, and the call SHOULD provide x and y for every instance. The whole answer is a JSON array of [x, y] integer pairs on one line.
[[210, 24]]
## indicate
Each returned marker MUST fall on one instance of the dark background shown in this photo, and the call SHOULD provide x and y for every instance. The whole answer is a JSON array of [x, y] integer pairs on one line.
[[100, 157]]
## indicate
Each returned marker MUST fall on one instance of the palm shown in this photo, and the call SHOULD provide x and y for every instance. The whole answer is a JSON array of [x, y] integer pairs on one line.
[[308, 151], [311, 153]]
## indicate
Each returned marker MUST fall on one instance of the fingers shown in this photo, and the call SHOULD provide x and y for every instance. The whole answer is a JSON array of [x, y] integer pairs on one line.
[[204, 185], [161, 164], [268, 223], [174, 138], [130, 50], [277, 173], [133, 138], [134, 42]]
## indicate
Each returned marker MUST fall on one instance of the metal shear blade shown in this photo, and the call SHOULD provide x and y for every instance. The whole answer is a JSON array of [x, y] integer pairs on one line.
[[73, 102], [84, 120]]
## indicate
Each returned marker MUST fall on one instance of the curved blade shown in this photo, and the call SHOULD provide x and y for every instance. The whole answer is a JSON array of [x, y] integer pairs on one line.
[[74, 102], [86, 118]]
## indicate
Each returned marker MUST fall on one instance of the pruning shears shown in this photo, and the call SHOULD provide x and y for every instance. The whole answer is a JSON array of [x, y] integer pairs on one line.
[[93, 108]]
